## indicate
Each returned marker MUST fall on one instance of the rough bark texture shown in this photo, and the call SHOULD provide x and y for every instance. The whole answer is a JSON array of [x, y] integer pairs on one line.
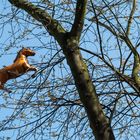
[[98, 122], [69, 43], [136, 70]]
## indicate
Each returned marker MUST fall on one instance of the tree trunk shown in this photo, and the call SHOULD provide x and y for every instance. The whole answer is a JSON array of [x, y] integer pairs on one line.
[[98, 121]]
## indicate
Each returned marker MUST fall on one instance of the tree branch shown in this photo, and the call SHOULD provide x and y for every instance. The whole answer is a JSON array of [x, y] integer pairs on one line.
[[119, 35], [52, 25], [131, 17], [79, 18]]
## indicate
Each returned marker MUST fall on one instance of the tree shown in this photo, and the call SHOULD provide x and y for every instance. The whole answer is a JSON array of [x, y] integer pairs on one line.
[[100, 88]]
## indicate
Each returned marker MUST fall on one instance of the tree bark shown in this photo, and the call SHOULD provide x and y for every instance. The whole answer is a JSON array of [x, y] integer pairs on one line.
[[69, 42], [98, 121]]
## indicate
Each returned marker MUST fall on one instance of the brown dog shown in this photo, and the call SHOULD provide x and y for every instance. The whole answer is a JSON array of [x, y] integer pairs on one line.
[[18, 68]]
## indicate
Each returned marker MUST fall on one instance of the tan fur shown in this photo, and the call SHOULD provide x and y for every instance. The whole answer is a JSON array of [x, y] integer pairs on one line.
[[18, 68]]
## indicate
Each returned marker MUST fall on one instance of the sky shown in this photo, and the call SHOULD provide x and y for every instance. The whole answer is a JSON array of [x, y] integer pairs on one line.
[[7, 57]]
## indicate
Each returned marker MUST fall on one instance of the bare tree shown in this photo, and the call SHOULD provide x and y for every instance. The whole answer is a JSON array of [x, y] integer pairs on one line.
[[87, 85]]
